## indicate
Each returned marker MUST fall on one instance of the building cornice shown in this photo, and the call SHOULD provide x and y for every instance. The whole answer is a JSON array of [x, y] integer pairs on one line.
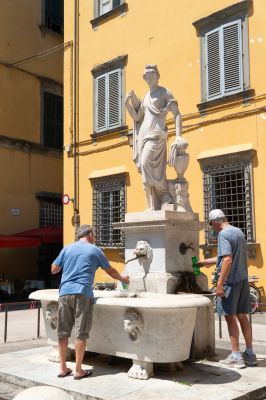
[[27, 146]]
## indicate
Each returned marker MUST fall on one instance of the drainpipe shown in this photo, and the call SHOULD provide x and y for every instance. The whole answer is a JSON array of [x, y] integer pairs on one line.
[[75, 116]]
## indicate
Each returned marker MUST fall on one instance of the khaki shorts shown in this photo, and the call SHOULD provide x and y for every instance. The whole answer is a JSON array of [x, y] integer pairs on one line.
[[236, 299], [74, 309]]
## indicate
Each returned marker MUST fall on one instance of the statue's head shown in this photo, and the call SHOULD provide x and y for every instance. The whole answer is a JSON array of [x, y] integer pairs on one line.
[[151, 73]]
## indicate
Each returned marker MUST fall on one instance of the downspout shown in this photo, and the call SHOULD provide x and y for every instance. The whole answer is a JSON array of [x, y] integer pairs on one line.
[[75, 117]]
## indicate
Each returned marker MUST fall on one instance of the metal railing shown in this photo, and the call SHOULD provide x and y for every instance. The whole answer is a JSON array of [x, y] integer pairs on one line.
[[32, 305]]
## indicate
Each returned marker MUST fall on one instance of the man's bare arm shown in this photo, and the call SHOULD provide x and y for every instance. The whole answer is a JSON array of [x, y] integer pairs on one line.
[[208, 262], [115, 274], [55, 269], [225, 269]]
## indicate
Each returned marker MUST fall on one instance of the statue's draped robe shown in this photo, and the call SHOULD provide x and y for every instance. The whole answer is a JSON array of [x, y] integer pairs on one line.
[[150, 149]]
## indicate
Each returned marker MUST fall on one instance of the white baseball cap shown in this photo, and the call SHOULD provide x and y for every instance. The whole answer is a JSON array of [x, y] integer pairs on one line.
[[215, 214]]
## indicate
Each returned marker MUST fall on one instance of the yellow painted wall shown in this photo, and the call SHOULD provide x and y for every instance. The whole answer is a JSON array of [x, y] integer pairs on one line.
[[24, 172], [162, 33]]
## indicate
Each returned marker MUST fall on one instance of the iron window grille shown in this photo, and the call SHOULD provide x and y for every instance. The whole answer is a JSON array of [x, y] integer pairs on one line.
[[51, 214], [229, 188], [108, 207]]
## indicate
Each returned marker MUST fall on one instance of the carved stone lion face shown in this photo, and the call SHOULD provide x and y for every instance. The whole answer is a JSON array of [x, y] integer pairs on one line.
[[133, 323], [51, 314], [141, 248]]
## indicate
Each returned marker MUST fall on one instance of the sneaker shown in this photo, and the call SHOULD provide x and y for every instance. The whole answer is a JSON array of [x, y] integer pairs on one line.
[[250, 360], [231, 362]]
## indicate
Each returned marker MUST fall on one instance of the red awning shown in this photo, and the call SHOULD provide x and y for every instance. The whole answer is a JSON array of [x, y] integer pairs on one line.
[[47, 234], [18, 241]]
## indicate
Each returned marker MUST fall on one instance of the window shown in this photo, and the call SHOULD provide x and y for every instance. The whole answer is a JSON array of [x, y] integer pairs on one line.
[[53, 120], [223, 49], [54, 15], [108, 101], [108, 207], [105, 6], [51, 213], [228, 187]]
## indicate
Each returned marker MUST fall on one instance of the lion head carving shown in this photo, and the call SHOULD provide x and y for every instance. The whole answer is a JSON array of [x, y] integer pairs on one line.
[[143, 249], [51, 314], [133, 324]]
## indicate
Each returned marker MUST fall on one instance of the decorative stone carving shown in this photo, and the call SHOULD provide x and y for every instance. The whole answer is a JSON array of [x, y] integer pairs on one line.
[[133, 324], [178, 188], [141, 370], [51, 314], [150, 136], [143, 251]]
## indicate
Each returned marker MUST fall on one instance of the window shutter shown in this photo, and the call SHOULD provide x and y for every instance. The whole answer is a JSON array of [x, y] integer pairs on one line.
[[213, 64], [101, 100], [53, 120], [114, 98], [232, 57]]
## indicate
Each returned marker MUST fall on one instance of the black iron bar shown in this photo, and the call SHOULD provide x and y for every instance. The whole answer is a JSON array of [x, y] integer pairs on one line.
[[38, 319], [6, 313]]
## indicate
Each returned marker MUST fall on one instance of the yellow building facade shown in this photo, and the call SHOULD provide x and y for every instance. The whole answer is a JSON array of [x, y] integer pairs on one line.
[[30, 150], [210, 55]]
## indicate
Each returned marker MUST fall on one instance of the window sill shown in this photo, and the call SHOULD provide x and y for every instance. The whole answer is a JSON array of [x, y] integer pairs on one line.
[[120, 129], [111, 247], [251, 249], [110, 14], [44, 29], [243, 95]]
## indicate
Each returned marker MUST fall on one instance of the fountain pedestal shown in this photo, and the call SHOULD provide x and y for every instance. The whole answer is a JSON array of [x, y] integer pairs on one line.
[[169, 239], [172, 238]]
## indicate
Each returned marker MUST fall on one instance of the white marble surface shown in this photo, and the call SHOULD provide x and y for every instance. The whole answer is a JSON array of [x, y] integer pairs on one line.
[[43, 393], [197, 381], [161, 333]]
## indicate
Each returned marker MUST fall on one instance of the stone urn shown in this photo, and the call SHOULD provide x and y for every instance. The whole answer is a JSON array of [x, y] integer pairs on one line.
[[178, 157]]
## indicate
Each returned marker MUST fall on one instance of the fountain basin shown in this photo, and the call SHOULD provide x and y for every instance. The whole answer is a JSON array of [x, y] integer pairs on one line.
[[148, 328]]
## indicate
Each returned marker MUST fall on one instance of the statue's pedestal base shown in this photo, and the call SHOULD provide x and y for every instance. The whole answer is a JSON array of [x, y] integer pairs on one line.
[[173, 238]]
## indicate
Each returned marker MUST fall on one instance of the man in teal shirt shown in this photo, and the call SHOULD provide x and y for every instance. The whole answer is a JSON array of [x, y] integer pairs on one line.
[[78, 262]]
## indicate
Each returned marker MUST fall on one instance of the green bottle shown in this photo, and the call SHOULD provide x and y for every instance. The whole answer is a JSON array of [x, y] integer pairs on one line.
[[195, 266]]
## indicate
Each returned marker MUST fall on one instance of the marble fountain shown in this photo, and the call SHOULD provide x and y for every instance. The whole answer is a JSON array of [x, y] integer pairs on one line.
[[153, 321]]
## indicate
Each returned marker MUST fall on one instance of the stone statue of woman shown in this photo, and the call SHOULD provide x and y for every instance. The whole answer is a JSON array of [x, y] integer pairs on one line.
[[150, 136]]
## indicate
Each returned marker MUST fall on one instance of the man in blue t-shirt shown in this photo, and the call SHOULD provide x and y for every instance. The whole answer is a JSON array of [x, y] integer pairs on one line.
[[78, 262], [233, 297]]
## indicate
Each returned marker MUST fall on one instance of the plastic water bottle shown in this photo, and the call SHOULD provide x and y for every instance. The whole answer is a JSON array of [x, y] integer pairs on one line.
[[195, 266]]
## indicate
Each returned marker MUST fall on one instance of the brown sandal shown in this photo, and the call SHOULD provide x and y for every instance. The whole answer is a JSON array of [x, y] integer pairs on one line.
[[86, 375], [69, 372]]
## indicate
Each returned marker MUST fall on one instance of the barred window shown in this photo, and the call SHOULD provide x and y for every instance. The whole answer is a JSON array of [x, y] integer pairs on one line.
[[108, 207], [51, 213], [229, 188]]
